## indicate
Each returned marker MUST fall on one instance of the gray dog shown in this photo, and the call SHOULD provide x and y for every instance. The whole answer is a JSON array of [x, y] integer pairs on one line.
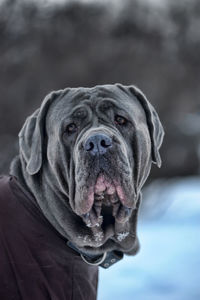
[[84, 157]]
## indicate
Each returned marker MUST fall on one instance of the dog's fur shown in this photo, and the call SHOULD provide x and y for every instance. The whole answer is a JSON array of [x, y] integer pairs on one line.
[[63, 177]]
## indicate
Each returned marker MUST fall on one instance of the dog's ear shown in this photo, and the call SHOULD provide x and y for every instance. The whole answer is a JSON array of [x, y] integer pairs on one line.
[[154, 124], [155, 127], [31, 136]]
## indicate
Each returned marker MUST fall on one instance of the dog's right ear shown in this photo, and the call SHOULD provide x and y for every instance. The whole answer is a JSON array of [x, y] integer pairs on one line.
[[31, 136]]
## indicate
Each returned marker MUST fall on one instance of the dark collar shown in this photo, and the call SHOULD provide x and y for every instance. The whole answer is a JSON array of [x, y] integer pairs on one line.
[[105, 260]]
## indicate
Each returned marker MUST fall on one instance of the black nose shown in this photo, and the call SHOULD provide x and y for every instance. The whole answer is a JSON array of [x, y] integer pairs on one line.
[[98, 144]]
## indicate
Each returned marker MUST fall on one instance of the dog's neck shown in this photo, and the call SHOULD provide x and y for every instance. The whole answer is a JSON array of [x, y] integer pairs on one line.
[[37, 185], [41, 190], [68, 225]]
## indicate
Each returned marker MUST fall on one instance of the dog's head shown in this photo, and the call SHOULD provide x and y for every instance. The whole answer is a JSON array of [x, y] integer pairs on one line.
[[96, 146]]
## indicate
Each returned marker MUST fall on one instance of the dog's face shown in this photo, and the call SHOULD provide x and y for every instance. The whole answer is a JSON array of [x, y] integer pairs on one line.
[[96, 145]]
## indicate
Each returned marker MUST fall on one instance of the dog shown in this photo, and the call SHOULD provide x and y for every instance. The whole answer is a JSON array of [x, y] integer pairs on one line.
[[84, 156]]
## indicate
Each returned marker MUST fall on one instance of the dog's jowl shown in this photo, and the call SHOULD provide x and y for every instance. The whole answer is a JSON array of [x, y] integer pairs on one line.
[[72, 199]]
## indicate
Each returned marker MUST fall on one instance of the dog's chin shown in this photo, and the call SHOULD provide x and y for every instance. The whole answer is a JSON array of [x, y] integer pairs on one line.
[[108, 204]]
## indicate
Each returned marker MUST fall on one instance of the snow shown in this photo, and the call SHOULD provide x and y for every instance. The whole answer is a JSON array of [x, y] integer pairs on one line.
[[98, 236], [122, 236], [168, 264]]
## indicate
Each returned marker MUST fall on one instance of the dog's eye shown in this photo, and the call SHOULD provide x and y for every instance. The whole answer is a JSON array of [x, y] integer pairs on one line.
[[119, 120], [71, 128]]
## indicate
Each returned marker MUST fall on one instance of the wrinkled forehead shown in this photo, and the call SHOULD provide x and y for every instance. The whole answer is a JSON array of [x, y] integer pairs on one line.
[[91, 99]]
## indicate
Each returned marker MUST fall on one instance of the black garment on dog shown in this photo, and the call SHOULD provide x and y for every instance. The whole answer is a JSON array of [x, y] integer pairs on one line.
[[35, 262]]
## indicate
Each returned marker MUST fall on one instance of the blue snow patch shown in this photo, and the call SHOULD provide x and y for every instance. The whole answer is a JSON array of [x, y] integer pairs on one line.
[[168, 264]]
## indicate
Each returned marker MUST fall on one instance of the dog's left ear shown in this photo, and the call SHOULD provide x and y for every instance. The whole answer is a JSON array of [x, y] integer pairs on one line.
[[155, 127], [31, 136]]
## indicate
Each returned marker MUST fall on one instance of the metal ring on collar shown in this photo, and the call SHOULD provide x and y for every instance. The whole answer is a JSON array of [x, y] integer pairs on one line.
[[97, 263]]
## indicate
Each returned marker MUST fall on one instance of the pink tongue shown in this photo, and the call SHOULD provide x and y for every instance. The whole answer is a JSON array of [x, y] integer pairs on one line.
[[102, 184]]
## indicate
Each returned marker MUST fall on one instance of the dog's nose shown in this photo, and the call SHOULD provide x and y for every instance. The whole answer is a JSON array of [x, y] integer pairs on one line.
[[98, 144]]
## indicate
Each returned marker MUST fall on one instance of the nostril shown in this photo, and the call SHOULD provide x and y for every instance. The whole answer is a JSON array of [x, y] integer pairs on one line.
[[89, 146], [104, 144]]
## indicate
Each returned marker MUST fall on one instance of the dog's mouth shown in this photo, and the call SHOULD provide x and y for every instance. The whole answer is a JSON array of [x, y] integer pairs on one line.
[[109, 204]]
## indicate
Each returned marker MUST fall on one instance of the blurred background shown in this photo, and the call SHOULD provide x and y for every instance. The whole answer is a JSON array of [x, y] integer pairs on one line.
[[154, 44]]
